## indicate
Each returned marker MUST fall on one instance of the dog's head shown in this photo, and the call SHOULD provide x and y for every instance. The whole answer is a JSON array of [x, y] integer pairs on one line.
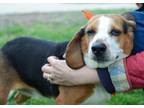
[[102, 41]]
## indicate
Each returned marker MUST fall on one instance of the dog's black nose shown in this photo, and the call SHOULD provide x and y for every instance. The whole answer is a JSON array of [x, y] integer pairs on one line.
[[98, 48]]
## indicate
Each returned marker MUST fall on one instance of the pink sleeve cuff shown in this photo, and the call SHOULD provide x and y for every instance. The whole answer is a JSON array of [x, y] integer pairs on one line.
[[135, 70]]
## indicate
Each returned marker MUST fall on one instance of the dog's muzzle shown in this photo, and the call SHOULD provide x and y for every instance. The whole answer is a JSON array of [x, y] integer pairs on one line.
[[98, 48], [99, 51]]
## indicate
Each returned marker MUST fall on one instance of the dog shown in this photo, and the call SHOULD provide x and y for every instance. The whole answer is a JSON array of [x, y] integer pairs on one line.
[[102, 41]]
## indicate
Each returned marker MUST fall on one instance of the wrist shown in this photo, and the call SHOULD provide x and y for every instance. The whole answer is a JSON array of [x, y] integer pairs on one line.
[[74, 78], [85, 75]]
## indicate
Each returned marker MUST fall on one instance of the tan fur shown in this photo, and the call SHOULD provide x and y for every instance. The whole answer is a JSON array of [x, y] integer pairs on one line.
[[126, 43], [74, 56], [9, 80], [125, 40], [84, 44], [74, 95]]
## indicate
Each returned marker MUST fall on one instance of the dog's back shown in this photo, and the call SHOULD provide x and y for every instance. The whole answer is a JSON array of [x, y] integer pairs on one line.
[[28, 55]]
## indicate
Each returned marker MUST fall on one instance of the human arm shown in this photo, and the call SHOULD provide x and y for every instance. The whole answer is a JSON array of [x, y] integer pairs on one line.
[[63, 75], [133, 72]]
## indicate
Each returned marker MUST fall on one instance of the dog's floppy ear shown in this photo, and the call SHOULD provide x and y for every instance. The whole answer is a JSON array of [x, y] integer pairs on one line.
[[129, 19], [74, 56]]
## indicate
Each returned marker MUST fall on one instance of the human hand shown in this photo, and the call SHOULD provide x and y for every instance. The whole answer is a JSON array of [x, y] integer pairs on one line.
[[58, 72]]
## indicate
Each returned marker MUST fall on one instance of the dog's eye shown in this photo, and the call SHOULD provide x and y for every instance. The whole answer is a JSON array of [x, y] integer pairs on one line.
[[115, 32], [91, 32]]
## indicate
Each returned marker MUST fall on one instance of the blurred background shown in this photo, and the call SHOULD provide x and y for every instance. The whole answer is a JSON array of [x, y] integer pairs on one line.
[[29, 8], [57, 22], [48, 20]]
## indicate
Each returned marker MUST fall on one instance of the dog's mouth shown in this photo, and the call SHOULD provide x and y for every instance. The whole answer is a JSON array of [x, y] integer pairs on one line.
[[98, 62], [100, 58]]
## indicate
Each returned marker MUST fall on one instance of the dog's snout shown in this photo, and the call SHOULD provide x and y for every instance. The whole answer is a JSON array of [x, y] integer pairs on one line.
[[98, 48]]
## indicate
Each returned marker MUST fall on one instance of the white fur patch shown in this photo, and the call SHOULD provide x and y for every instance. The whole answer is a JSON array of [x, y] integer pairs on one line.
[[99, 96], [90, 62]]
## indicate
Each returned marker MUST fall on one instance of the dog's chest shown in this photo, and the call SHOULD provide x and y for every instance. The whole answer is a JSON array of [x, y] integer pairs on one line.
[[99, 96]]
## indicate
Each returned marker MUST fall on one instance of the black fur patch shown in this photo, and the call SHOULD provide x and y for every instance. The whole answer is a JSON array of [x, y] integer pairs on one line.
[[28, 55], [125, 28], [81, 32]]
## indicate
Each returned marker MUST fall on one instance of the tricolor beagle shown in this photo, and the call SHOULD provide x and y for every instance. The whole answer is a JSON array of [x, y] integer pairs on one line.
[[102, 41]]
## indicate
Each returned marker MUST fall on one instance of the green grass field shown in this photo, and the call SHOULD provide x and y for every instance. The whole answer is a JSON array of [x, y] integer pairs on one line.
[[61, 26]]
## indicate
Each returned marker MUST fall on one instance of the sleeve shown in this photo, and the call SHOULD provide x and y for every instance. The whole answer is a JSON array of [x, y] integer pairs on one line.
[[128, 74], [134, 66]]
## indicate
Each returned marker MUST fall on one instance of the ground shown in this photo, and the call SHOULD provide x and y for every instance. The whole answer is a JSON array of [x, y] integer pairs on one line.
[[56, 26]]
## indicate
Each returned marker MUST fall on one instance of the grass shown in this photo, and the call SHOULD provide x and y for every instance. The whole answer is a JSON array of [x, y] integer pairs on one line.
[[60, 27]]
